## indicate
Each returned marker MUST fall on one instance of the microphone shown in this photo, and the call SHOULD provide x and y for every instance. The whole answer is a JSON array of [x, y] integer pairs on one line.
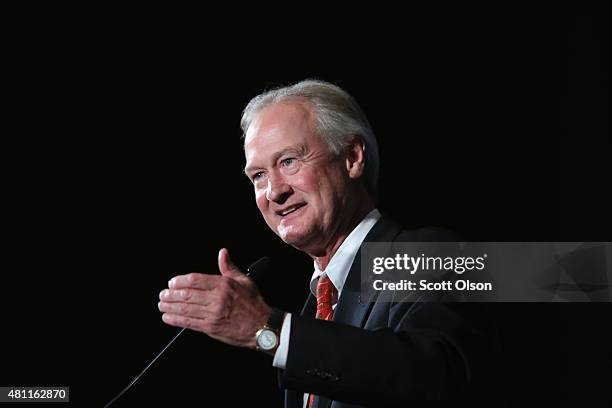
[[256, 271], [259, 269]]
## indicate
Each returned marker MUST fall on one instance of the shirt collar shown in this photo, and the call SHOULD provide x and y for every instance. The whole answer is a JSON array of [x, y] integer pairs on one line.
[[340, 264]]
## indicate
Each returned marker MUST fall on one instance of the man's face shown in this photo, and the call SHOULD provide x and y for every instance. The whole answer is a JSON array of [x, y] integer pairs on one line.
[[300, 186]]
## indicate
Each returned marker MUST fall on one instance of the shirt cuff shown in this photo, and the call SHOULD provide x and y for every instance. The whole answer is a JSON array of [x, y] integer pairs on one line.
[[280, 357]]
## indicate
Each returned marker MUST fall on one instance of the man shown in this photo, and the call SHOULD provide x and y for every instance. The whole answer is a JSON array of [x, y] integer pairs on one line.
[[313, 160]]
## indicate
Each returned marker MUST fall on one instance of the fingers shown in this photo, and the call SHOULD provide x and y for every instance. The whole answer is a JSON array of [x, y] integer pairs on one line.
[[186, 310], [190, 308], [195, 281], [188, 296], [184, 321], [226, 266]]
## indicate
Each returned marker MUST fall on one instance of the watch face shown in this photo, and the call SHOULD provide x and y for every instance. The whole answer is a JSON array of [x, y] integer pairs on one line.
[[267, 339]]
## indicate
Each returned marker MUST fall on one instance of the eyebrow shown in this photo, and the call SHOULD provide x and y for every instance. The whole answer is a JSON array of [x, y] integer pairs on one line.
[[299, 150]]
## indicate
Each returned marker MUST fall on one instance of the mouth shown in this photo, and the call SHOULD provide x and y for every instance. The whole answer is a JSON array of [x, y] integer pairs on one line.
[[290, 210]]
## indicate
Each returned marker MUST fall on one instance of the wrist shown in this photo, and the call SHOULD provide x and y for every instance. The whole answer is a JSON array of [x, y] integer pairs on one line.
[[267, 337]]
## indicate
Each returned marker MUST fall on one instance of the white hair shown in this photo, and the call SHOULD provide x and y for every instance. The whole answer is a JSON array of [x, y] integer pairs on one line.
[[338, 119]]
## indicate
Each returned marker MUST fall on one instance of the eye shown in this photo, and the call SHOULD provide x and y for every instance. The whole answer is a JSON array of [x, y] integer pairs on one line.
[[289, 165], [288, 162], [257, 176]]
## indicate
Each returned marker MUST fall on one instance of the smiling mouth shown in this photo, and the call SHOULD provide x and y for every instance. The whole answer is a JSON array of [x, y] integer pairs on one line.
[[290, 210]]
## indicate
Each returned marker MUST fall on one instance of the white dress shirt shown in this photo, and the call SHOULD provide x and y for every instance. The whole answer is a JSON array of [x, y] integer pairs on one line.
[[337, 270]]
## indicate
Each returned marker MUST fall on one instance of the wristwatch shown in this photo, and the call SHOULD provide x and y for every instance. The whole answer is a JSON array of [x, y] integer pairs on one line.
[[267, 338]]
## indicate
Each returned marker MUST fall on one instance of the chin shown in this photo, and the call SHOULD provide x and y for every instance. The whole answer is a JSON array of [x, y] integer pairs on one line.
[[293, 235]]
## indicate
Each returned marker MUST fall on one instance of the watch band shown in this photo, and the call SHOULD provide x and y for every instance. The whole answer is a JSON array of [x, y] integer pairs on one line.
[[275, 321]]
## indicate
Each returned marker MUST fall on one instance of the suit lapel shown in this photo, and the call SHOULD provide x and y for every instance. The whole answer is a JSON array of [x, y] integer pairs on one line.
[[354, 304], [310, 307]]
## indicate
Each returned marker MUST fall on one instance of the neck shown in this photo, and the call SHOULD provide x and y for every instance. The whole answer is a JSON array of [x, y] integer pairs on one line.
[[323, 256]]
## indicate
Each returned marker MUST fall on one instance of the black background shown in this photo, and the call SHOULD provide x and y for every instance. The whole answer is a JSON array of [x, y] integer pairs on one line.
[[122, 167]]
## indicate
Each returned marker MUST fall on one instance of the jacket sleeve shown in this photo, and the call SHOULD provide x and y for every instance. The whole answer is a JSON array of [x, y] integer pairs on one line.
[[426, 353]]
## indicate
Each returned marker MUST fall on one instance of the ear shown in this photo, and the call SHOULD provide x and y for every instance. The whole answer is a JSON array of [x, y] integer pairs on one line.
[[355, 157]]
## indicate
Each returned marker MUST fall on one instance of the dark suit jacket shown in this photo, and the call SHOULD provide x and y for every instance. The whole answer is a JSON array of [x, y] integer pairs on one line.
[[378, 353]]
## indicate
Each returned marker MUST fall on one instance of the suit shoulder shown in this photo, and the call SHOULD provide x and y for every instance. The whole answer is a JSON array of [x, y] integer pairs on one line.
[[428, 234], [387, 229]]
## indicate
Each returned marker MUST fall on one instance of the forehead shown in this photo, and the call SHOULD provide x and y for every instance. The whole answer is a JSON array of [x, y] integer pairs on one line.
[[278, 127]]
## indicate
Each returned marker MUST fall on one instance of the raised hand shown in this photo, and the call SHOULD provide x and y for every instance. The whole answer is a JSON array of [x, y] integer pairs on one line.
[[227, 307]]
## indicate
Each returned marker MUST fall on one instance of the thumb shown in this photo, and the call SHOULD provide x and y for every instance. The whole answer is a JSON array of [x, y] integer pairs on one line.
[[226, 266]]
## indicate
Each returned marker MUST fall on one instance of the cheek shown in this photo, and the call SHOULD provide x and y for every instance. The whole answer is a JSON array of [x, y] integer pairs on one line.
[[261, 201], [308, 183], [331, 189]]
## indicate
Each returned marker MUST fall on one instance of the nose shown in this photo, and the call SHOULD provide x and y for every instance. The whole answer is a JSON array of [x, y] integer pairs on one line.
[[278, 190]]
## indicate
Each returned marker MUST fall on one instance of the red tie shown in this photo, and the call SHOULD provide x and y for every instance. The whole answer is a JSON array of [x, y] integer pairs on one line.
[[326, 296]]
